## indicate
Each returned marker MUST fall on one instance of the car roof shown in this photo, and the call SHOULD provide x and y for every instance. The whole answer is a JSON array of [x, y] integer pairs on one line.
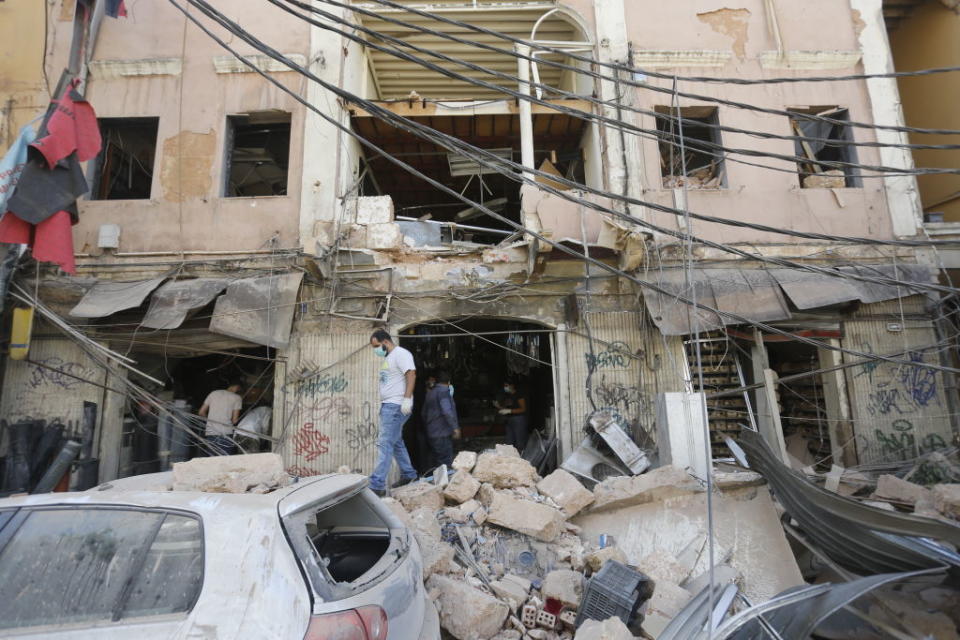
[[147, 492]]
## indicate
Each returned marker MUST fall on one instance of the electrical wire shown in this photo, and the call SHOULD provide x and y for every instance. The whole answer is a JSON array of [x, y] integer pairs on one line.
[[236, 30]]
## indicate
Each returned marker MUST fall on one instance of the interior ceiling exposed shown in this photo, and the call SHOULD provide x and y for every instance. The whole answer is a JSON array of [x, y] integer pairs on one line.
[[557, 133], [396, 78], [894, 11]]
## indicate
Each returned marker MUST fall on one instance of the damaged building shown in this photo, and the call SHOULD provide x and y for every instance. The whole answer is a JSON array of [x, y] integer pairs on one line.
[[230, 231]]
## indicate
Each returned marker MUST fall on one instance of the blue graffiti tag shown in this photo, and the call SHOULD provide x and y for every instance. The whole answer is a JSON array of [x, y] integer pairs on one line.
[[920, 383]]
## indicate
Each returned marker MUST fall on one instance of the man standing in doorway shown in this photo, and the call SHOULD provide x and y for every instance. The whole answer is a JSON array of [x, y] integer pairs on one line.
[[440, 420], [397, 377], [222, 410]]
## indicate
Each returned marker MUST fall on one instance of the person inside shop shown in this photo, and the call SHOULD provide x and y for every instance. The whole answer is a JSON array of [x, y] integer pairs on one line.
[[222, 410], [397, 378], [439, 416], [513, 407]]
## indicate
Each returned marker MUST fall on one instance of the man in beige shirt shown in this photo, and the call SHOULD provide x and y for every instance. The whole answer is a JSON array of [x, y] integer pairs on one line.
[[222, 410]]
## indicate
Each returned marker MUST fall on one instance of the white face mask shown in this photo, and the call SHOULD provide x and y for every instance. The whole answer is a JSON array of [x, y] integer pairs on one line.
[[450, 387], [380, 351]]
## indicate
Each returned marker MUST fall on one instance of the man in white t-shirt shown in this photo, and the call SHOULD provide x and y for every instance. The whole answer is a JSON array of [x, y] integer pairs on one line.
[[397, 376], [222, 410]]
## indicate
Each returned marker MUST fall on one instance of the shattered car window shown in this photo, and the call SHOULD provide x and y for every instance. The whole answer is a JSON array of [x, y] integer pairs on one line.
[[68, 566]]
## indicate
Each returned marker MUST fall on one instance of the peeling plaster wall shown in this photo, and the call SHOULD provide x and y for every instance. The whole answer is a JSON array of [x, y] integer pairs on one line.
[[819, 38], [186, 210]]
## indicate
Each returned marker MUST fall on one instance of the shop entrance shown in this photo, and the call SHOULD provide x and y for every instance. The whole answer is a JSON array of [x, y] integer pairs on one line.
[[480, 355]]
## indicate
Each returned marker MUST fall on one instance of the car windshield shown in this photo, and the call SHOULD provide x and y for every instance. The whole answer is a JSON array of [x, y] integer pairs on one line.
[[84, 565]]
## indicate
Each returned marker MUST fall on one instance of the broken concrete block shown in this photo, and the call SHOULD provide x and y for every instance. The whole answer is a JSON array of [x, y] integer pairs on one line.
[[486, 493], [506, 450], [668, 599], [231, 474], [625, 491], [610, 629], [462, 513], [736, 479], [662, 566], [480, 515], [398, 510], [461, 487], [596, 559], [504, 471], [946, 499], [893, 488], [524, 516], [561, 487], [374, 209], [423, 521], [465, 461], [438, 558], [512, 591], [419, 494], [564, 585], [468, 613], [508, 634], [384, 236], [833, 179]]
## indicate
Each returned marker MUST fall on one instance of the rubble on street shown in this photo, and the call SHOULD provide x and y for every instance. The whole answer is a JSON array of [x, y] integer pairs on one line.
[[509, 555]]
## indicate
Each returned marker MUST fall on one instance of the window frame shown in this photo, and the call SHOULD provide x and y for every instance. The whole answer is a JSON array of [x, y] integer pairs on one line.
[[95, 171], [229, 139], [848, 152], [668, 136], [10, 527]]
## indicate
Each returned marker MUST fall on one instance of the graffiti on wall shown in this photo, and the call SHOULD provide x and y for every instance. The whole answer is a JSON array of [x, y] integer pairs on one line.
[[615, 356], [900, 441], [57, 372], [324, 384]]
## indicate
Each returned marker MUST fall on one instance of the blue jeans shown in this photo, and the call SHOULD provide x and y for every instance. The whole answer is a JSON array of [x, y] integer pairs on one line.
[[390, 445], [221, 446]]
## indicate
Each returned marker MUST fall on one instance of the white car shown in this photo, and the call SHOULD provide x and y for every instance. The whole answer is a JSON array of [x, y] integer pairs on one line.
[[320, 559]]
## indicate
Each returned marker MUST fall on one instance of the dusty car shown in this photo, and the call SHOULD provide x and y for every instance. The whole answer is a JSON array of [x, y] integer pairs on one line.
[[322, 558]]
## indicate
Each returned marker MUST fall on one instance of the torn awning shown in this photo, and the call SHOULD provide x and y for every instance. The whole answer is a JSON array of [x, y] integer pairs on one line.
[[107, 297], [761, 295], [173, 302], [258, 310]]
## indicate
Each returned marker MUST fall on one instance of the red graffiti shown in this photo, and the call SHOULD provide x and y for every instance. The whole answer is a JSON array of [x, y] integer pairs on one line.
[[310, 443]]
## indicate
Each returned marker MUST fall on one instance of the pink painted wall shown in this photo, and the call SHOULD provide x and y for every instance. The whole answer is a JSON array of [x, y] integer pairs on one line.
[[757, 194], [186, 210]]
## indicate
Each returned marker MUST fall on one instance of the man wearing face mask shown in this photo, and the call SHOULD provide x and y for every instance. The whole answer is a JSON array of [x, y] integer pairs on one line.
[[397, 377], [513, 407]]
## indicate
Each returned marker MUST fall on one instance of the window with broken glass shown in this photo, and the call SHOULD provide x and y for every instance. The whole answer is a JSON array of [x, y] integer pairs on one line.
[[257, 154], [689, 142], [820, 144], [124, 168]]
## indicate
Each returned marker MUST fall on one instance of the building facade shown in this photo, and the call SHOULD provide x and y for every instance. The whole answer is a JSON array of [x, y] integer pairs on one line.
[[231, 227]]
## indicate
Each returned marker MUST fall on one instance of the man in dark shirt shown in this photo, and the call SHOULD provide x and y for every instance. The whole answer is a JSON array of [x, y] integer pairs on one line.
[[440, 420]]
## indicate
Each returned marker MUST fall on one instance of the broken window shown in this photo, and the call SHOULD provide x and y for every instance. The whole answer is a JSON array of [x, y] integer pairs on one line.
[[696, 161], [258, 154], [338, 544], [820, 142], [436, 217], [124, 168]]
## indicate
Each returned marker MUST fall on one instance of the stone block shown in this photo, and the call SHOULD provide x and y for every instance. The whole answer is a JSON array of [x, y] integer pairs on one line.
[[504, 471], [467, 613], [254, 473], [384, 236], [610, 629], [419, 494], [374, 209], [561, 487], [833, 179], [893, 488], [486, 493], [511, 591], [506, 450], [480, 515], [462, 487], [398, 510], [946, 499], [626, 491], [563, 585], [668, 599], [596, 559], [464, 461], [525, 516]]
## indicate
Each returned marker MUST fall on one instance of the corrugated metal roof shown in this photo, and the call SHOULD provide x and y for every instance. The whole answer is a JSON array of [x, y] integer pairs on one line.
[[396, 78]]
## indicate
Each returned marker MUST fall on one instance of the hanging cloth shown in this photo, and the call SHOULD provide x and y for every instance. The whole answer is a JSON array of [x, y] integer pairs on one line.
[[115, 9], [13, 162]]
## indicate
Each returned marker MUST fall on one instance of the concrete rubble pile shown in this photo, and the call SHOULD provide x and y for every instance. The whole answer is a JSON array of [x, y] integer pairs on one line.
[[252, 473], [508, 555]]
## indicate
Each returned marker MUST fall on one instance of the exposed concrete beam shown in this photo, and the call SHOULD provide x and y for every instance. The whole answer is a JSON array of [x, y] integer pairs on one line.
[[417, 108]]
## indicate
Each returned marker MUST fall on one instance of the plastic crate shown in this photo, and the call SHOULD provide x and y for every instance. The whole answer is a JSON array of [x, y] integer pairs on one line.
[[615, 590]]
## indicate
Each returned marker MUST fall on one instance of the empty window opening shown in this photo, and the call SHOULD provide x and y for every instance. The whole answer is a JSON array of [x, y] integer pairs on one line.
[[124, 168], [557, 141], [480, 355], [820, 143], [258, 154], [697, 161]]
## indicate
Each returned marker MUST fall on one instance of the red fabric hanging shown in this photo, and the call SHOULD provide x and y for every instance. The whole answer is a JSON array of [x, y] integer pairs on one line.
[[72, 127], [51, 240]]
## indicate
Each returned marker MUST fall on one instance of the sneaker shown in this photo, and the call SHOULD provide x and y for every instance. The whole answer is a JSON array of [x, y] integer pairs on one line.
[[381, 493], [403, 481]]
